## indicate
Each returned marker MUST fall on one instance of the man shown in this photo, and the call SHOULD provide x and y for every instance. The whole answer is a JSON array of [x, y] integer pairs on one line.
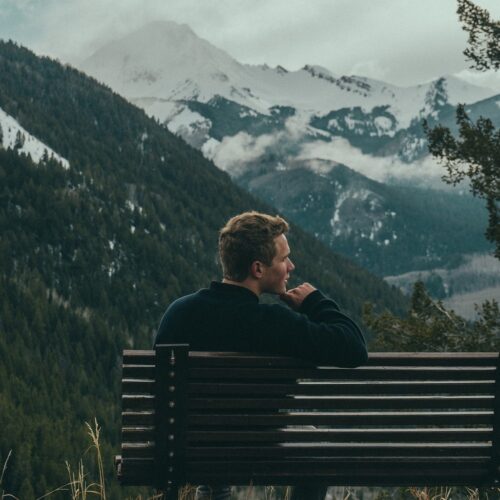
[[255, 259]]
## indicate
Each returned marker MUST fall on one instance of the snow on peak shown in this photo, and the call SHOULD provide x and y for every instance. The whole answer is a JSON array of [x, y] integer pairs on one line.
[[318, 71], [158, 59], [165, 63], [14, 136], [460, 91]]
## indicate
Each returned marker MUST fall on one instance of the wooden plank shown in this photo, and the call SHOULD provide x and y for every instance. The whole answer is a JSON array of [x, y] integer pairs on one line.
[[342, 388], [343, 418], [138, 450], [138, 434], [133, 418], [200, 358], [373, 473], [361, 374], [347, 465], [138, 357], [344, 403], [342, 435], [138, 386], [138, 402], [138, 371], [429, 451], [402, 450]]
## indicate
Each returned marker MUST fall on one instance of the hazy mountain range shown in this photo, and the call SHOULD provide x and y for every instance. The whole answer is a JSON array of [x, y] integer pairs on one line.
[[223, 106], [344, 156]]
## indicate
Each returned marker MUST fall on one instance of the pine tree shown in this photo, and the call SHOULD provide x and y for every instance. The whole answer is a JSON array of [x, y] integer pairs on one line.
[[475, 154]]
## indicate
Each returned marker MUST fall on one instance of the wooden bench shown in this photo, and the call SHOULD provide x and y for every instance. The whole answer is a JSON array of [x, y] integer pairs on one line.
[[404, 419]]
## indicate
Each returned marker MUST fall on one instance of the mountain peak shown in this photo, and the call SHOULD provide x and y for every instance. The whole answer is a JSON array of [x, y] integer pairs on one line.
[[318, 71], [159, 55]]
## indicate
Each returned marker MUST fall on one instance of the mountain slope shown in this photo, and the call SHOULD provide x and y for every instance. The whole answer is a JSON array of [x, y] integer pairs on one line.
[[385, 228], [91, 255]]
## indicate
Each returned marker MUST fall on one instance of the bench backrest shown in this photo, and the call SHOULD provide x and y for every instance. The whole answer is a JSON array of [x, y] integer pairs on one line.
[[235, 418]]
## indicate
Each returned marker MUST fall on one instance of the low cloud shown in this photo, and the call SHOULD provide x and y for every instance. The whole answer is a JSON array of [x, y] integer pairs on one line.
[[233, 153], [382, 169], [290, 145]]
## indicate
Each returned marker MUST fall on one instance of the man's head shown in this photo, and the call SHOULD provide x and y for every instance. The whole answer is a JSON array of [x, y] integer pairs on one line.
[[253, 246]]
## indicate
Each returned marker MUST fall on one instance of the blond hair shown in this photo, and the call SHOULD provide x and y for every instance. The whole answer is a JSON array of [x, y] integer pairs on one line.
[[248, 237]]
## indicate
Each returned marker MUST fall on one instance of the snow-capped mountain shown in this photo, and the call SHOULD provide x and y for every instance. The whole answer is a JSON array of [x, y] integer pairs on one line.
[[164, 61], [233, 111], [14, 136], [283, 135]]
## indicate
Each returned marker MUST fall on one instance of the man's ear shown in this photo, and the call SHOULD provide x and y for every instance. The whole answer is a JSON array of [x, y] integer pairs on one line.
[[257, 269]]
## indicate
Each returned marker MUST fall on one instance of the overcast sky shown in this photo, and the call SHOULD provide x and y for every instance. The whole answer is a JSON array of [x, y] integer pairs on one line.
[[400, 41]]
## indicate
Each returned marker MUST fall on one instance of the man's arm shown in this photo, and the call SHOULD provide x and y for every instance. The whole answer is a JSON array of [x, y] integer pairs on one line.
[[316, 329]]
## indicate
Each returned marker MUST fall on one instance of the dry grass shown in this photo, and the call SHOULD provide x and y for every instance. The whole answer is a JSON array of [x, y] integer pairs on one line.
[[3, 493], [431, 493]]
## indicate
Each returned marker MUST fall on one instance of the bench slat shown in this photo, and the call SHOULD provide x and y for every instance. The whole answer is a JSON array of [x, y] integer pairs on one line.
[[332, 388], [138, 371], [350, 419], [375, 358], [204, 359], [138, 418], [138, 402], [343, 403], [426, 451], [131, 435], [341, 435], [138, 386], [361, 374], [343, 449]]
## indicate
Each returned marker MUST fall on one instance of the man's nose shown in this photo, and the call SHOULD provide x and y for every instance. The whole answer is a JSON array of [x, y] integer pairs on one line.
[[291, 265]]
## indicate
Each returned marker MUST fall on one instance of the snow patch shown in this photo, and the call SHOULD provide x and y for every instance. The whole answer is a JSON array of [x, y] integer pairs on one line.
[[188, 121], [15, 137], [132, 206]]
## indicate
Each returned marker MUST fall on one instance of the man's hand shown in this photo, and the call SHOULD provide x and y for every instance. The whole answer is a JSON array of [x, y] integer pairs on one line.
[[296, 296]]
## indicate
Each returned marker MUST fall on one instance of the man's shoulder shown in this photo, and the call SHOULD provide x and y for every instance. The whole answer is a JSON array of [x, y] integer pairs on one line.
[[186, 302], [177, 314]]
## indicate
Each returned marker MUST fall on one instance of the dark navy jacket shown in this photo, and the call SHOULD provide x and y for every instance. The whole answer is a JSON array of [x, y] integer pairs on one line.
[[230, 318]]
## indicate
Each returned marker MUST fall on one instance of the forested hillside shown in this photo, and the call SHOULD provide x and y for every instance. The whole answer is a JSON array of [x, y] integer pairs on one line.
[[90, 257]]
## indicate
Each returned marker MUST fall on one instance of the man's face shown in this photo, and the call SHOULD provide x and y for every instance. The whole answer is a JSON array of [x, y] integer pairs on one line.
[[274, 279]]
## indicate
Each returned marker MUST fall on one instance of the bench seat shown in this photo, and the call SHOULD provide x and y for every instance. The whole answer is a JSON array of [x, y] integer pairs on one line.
[[404, 419]]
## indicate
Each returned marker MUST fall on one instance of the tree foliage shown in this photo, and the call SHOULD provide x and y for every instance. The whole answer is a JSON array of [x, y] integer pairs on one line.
[[475, 153], [484, 35], [429, 326]]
